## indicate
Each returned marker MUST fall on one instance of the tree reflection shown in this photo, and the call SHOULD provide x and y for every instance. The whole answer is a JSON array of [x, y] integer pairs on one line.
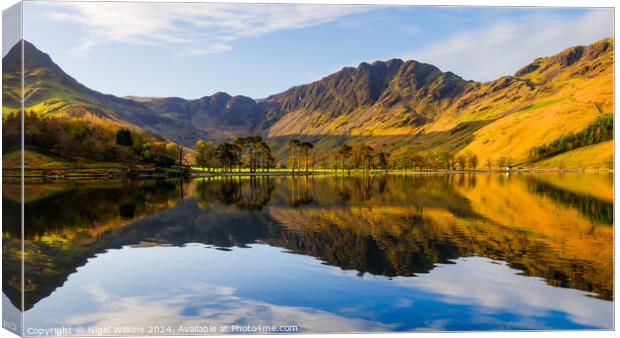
[[250, 193], [594, 208], [300, 191]]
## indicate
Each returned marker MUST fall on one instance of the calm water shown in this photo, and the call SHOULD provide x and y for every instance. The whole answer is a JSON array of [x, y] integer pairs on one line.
[[313, 254]]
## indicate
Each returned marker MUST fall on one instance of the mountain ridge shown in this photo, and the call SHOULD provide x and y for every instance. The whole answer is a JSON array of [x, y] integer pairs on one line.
[[395, 103], [49, 90]]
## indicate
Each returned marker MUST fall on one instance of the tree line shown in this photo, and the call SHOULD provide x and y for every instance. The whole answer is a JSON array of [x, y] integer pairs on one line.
[[602, 129], [299, 150], [360, 156], [251, 152], [442, 160], [303, 158], [255, 154]]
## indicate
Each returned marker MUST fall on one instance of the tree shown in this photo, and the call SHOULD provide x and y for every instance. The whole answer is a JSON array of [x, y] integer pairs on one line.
[[383, 160], [255, 143], [531, 159], [417, 161], [489, 163], [235, 159], [238, 146], [293, 148], [264, 155], [362, 155], [446, 160], [336, 154], [227, 154], [344, 152], [181, 152], [357, 156], [305, 148], [368, 153], [472, 160], [159, 153], [176, 151], [461, 161], [433, 161], [202, 154], [504, 162], [501, 162], [172, 151], [123, 137]]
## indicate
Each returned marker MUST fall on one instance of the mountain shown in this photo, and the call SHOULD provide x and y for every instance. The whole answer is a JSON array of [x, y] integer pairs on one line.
[[370, 98], [411, 106], [220, 115], [400, 106], [48, 90]]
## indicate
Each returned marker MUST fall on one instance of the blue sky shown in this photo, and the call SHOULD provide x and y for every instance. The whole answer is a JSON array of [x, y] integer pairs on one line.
[[192, 50]]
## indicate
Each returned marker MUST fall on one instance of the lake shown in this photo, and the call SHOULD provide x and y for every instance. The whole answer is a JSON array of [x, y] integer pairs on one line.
[[483, 251]]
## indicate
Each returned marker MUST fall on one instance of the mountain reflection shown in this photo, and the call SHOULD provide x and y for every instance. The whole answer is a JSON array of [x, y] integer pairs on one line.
[[381, 225]]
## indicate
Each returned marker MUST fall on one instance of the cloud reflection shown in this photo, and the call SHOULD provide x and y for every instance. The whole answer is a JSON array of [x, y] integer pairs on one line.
[[204, 304], [495, 287]]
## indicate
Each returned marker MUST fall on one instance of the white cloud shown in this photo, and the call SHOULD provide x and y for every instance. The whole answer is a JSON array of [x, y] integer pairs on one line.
[[196, 28], [495, 287], [505, 46]]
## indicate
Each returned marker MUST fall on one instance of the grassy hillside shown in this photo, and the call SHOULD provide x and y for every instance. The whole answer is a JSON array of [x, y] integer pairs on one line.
[[50, 92], [47, 89], [81, 142], [32, 159], [566, 99], [598, 156]]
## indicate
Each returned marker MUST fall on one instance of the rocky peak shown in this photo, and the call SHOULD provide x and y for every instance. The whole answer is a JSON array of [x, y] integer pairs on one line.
[[568, 57]]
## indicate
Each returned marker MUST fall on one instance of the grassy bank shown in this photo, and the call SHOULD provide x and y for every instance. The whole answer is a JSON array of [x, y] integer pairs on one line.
[[48, 167]]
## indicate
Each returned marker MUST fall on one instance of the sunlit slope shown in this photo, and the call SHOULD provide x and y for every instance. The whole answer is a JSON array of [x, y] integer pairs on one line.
[[598, 156], [32, 159], [47, 88], [49, 91], [567, 97], [421, 108]]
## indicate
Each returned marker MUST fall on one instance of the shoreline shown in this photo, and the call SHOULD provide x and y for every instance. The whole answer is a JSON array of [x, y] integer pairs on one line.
[[159, 173], [400, 172]]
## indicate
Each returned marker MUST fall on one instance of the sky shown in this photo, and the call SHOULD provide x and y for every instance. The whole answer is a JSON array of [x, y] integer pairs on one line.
[[192, 50]]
